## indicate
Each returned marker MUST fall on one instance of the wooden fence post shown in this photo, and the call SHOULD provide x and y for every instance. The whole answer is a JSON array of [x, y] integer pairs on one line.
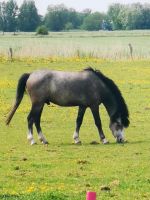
[[131, 51], [11, 54]]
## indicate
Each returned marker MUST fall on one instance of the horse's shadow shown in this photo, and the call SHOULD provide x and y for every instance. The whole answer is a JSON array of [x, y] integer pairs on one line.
[[99, 144], [138, 142]]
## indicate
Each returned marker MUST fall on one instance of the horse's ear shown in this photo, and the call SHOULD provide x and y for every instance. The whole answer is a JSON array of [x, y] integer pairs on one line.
[[126, 122]]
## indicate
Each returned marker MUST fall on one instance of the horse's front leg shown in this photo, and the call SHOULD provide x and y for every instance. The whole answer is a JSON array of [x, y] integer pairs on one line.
[[79, 120], [95, 112]]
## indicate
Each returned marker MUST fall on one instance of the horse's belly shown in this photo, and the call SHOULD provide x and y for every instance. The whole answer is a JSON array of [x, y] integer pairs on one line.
[[67, 102], [73, 100]]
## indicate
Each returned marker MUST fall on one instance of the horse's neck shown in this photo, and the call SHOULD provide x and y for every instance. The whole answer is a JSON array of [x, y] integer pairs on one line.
[[111, 106]]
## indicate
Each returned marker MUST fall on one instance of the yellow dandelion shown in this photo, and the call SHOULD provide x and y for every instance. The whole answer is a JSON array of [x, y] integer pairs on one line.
[[31, 189]]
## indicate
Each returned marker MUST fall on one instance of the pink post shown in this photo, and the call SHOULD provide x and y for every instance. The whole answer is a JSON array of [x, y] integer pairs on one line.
[[91, 196]]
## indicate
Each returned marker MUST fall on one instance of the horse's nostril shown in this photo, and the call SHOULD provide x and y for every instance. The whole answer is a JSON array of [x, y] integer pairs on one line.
[[119, 140]]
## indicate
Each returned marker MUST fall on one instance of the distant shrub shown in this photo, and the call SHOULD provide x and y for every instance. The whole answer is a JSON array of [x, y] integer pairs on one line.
[[42, 30], [69, 26]]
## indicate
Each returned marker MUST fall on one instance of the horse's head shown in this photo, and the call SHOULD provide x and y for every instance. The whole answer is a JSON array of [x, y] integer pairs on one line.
[[117, 129]]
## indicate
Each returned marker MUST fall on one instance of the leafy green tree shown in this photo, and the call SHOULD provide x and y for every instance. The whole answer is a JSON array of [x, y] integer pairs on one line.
[[73, 20], [69, 26], [59, 18], [114, 15], [135, 17], [123, 16], [81, 16], [146, 16], [93, 21], [56, 17], [3, 25], [106, 24], [129, 17], [139, 16], [8, 16], [28, 18], [11, 10]]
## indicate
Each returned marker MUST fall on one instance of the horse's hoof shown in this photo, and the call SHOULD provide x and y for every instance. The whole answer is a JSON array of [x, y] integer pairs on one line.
[[33, 143], [104, 141], [45, 143], [78, 143], [41, 140]]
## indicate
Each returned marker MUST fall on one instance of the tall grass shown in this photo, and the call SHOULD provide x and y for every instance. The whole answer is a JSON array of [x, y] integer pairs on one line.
[[110, 45]]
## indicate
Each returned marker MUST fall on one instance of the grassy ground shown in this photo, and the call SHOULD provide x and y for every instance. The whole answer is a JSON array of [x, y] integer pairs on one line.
[[62, 170], [102, 44]]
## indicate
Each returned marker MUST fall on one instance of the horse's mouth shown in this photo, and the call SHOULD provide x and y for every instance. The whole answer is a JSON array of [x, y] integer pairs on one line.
[[120, 140]]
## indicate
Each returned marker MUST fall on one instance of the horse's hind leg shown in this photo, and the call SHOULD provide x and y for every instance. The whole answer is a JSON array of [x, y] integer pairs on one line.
[[34, 117], [30, 120], [95, 112], [38, 112], [79, 120]]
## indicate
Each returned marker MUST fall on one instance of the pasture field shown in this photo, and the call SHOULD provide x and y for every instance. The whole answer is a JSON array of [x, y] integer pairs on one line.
[[102, 44], [62, 170]]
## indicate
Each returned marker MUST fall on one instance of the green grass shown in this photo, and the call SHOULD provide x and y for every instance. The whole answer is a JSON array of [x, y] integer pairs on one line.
[[102, 44], [63, 170]]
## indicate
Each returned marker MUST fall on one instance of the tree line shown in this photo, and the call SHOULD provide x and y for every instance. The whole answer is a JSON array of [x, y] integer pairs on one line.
[[59, 17]]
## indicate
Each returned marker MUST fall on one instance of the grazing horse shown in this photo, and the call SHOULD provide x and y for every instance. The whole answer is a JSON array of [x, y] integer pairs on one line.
[[87, 88]]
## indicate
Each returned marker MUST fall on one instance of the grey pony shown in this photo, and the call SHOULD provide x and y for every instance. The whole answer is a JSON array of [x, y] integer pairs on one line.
[[87, 88]]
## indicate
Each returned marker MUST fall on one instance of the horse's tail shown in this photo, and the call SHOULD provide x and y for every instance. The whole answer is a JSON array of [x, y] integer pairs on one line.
[[19, 95]]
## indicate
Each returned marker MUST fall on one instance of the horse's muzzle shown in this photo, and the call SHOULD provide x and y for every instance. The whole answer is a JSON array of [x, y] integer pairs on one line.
[[120, 140]]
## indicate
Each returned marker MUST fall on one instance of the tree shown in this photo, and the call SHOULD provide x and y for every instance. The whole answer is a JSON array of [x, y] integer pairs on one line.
[[113, 15], [123, 17], [73, 20], [129, 17], [93, 22], [135, 17], [59, 18], [11, 10], [28, 18], [3, 24], [69, 26], [106, 24], [56, 17], [146, 16], [8, 16]]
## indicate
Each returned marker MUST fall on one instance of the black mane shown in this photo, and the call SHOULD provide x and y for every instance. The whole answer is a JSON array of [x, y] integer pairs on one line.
[[122, 107]]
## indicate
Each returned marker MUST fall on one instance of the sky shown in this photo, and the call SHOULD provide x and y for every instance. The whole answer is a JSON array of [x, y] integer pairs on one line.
[[79, 5]]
